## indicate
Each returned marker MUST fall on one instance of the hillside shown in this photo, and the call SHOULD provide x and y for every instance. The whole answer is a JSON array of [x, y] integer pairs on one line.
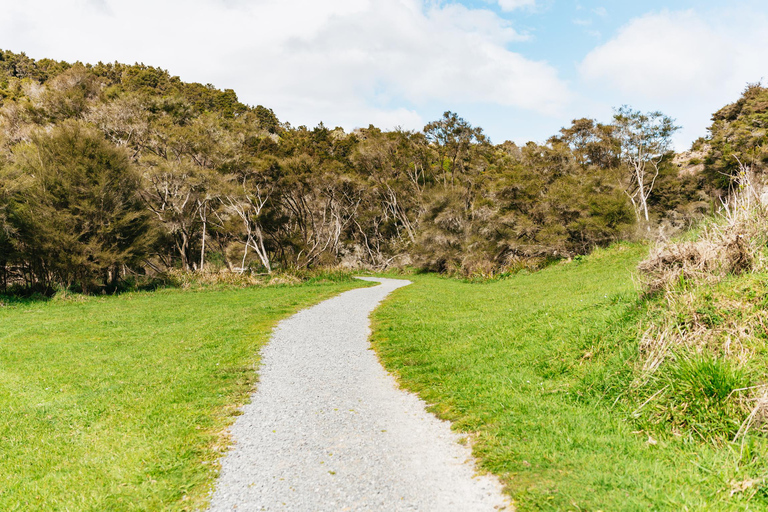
[[630, 379], [548, 374], [136, 172]]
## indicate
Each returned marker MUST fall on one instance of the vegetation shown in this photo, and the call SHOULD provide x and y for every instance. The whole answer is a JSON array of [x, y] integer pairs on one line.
[[75, 209], [541, 371], [578, 391], [582, 394], [120, 403], [706, 330], [644, 140], [140, 173], [737, 139]]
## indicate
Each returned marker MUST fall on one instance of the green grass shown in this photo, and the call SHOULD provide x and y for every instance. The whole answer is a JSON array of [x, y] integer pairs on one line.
[[120, 403], [537, 368], [717, 358]]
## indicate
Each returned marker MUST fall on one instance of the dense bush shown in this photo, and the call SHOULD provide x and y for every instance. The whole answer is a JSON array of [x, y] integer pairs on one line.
[[228, 186], [73, 209]]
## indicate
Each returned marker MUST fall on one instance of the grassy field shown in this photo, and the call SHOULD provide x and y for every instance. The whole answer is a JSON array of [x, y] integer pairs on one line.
[[120, 403], [536, 367]]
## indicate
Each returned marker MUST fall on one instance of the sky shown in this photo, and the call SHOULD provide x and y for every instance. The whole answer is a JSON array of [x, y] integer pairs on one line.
[[520, 69]]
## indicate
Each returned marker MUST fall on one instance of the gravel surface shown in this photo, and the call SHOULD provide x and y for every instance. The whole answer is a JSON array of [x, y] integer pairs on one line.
[[328, 428]]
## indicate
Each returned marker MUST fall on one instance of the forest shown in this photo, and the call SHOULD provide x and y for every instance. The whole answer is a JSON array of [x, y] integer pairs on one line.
[[113, 173]]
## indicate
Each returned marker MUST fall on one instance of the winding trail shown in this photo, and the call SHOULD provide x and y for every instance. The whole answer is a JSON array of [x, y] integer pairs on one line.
[[329, 430]]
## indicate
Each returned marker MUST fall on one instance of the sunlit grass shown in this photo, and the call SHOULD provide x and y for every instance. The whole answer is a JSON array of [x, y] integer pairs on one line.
[[120, 403], [536, 366]]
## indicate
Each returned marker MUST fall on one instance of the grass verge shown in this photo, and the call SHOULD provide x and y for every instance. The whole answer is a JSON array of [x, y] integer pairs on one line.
[[538, 368], [121, 403]]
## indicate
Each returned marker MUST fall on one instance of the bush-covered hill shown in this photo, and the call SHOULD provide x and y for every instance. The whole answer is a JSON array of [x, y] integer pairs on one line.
[[140, 172], [738, 137]]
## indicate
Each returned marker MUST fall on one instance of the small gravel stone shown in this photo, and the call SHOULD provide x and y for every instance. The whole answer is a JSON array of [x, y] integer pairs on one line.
[[328, 429]]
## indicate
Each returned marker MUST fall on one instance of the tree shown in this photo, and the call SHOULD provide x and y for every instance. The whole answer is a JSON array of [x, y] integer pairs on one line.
[[458, 146], [75, 209], [320, 202], [171, 191], [644, 140], [737, 137], [395, 165], [590, 142], [68, 95], [247, 196], [6, 229]]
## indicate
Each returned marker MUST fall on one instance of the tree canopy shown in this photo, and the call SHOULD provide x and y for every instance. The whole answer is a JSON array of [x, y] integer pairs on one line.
[[113, 170]]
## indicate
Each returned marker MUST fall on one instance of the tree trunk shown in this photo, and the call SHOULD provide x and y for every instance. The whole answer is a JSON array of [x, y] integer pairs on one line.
[[202, 249]]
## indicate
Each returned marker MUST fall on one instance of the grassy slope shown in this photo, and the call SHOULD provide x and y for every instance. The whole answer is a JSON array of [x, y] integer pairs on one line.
[[119, 403], [531, 365]]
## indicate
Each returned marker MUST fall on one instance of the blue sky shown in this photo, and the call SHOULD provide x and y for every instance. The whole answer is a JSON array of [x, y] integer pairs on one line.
[[521, 69], [563, 33]]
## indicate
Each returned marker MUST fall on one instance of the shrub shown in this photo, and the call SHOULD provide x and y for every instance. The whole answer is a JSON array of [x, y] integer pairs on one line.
[[699, 394], [732, 244]]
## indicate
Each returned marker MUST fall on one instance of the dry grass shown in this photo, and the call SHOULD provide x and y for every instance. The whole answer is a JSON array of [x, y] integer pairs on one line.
[[709, 309], [230, 280], [732, 243], [758, 416], [720, 253], [704, 325], [227, 278]]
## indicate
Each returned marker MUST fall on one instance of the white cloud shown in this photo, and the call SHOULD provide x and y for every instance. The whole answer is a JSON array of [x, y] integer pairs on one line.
[[511, 5], [686, 63], [661, 55], [346, 62]]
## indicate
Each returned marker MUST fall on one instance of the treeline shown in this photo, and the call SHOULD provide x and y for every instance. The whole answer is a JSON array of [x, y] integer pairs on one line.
[[111, 170]]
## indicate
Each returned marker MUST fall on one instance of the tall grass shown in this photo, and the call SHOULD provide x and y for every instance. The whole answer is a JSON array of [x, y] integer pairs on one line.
[[707, 327], [226, 279], [732, 242], [696, 393]]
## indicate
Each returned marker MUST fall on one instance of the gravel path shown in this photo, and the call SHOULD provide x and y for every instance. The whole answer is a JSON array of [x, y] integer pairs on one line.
[[328, 429]]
